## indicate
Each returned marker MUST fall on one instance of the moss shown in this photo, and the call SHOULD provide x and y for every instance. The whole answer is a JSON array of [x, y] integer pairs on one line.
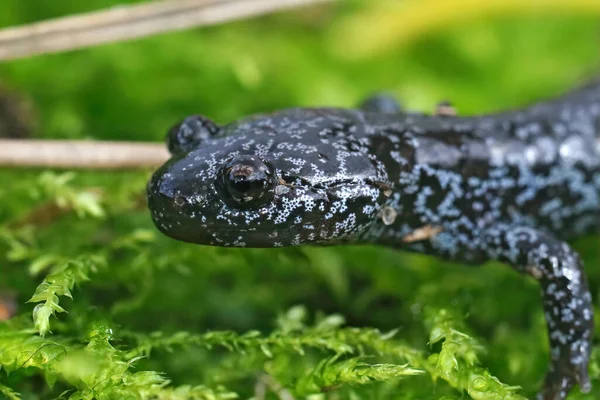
[[110, 309]]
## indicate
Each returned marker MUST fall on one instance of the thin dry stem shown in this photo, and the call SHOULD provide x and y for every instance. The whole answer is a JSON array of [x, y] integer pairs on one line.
[[130, 22], [81, 154]]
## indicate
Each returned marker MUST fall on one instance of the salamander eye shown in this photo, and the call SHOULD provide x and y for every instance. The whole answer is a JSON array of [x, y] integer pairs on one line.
[[246, 182], [188, 134]]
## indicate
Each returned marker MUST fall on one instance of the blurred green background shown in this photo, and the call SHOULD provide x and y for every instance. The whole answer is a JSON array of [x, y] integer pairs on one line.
[[140, 281]]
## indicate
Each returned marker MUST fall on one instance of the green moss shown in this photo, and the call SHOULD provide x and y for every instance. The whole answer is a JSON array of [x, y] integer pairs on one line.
[[117, 311]]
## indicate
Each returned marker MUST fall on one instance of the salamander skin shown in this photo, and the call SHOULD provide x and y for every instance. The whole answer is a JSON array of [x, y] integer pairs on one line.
[[510, 187]]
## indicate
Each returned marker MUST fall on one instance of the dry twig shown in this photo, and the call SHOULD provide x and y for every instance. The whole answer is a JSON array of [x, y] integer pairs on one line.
[[81, 154], [130, 22]]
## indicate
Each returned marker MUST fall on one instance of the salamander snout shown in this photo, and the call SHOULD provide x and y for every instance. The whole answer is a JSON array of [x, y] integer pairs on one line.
[[225, 199], [182, 199]]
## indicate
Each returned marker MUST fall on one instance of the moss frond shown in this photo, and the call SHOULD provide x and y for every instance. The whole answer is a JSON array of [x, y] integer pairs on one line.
[[8, 393], [331, 373], [60, 282], [457, 361]]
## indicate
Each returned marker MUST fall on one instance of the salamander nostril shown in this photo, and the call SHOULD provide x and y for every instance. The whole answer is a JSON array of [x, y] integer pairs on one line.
[[179, 201]]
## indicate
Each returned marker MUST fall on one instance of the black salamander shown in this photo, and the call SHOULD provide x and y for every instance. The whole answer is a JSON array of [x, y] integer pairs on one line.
[[511, 187]]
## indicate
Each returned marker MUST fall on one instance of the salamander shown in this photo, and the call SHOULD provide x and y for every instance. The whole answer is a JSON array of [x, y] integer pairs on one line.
[[510, 186]]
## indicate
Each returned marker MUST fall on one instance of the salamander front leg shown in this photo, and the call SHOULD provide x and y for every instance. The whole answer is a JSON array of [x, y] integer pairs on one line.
[[382, 103], [566, 299]]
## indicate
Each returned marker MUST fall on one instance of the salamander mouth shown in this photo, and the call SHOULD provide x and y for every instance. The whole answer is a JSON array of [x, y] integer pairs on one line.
[[175, 229], [328, 183], [320, 188]]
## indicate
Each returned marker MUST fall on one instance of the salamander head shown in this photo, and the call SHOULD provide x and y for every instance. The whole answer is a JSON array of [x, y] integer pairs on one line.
[[263, 186]]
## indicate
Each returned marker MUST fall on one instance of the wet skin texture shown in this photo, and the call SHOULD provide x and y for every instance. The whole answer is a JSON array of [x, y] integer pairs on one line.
[[510, 187]]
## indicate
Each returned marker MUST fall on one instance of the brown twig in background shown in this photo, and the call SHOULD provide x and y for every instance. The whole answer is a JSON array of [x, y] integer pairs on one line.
[[17, 117], [129, 22], [8, 305], [81, 154]]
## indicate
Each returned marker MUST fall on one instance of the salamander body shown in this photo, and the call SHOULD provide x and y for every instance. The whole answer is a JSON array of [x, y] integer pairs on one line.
[[509, 186]]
